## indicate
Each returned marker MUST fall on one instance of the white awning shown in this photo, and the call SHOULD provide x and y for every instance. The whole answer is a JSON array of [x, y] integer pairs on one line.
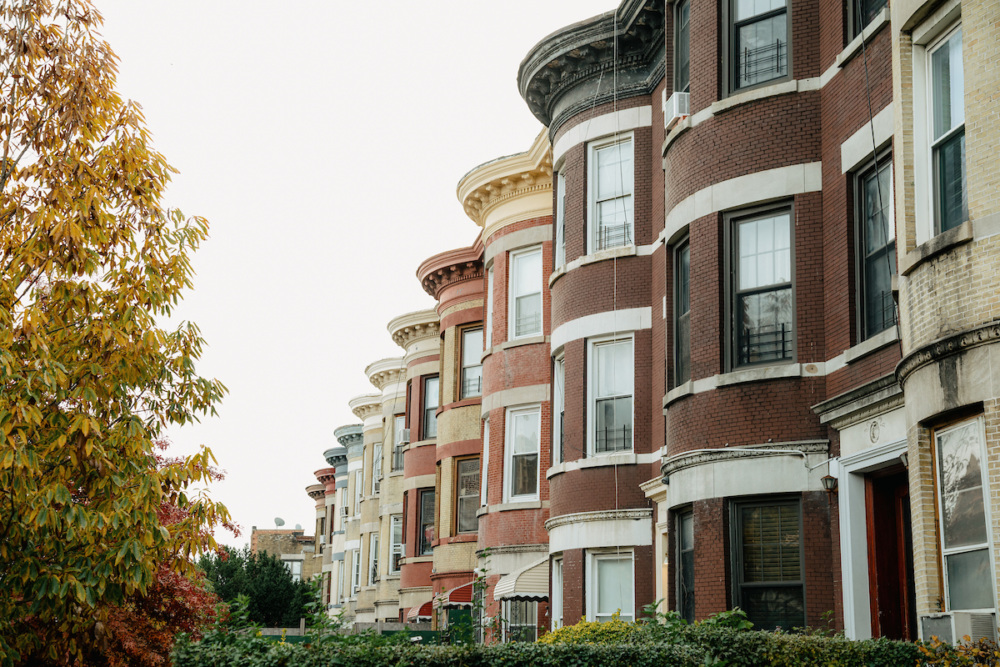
[[530, 582]]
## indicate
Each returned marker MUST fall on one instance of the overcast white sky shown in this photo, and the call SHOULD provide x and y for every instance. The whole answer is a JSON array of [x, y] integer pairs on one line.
[[323, 141]]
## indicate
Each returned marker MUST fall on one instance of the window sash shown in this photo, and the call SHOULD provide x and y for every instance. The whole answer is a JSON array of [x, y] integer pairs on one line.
[[682, 313], [396, 545], [759, 42], [526, 293], [865, 11], [522, 620], [489, 308], [486, 463], [947, 130], [560, 258], [613, 185], [373, 559], [612, 387], [685, 566], [472, 368], [427, 535], [376, 467], [359, 484], [558, 409], [682, 47], [522, 447], [876, 248], [613, 584], [467, 491], [355, 570], [431, 391], [557, 593], [399, 423]]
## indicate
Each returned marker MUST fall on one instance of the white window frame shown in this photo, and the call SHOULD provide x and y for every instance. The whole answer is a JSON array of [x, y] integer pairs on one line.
[[927, 36], [355, 571], [560, 250], [557, 593], [592, 397], [376, 467], [488, 341], [373, 547], [938, 43], [396, 548], [593, 222], [398, 424], [341, 574], [514, 293], [558, 407], [508, 476], [477, 362], [987, 546], [359, 484], [484, 498], [593, 603]]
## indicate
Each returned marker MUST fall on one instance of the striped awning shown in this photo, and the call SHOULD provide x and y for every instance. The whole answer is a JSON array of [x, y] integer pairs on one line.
[[530, 582], [460, 596], [424, 610]]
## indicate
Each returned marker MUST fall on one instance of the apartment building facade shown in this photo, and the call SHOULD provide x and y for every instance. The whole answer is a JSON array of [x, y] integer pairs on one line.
[[694, 384]]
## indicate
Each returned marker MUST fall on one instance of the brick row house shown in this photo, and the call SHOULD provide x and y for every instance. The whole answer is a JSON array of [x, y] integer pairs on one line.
[[724, 339]]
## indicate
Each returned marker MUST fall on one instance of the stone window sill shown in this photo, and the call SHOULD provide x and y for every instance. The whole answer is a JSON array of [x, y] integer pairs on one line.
[[873, 344], [932, 248]]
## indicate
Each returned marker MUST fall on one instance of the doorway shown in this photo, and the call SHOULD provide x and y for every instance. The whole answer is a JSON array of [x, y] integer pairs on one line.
[[890, 559]]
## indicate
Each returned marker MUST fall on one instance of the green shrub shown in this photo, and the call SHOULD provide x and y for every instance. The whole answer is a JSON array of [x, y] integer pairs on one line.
[[615, 631]]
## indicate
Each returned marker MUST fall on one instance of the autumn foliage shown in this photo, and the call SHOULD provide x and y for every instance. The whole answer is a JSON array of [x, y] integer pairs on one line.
[[91, 263]]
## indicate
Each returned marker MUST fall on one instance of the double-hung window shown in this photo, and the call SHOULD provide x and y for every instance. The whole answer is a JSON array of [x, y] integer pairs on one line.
[[522, 447], [399, 424], [876, 234], [489, 308], [431, 398], [610, 589], [560, 220], [558, 408], [759, 42], [763, 314], [685, 565], [376, 467], [426, 525], [396, 542], [467, 495], [483, 497], [965, 539], [947, 88], [611, 371], [472, 366], [355, 571], [359, 484], [682, 46], [682, 313], [373, 559], [611, 183], [557, 593], [526, 293], [768, 571]]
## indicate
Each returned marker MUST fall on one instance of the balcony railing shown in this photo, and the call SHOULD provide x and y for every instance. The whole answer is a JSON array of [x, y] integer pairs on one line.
[[613, 439]]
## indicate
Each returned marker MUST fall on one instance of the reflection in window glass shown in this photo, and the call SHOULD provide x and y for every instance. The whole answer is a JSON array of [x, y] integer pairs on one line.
[[760, 41], [613, 384], [770, 581]]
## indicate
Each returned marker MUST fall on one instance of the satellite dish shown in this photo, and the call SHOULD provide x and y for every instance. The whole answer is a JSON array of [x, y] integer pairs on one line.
[[298, 526], [278, 521]]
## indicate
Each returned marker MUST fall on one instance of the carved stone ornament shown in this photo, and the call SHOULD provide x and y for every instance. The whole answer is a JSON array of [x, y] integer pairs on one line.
[[947, 346], [505, 179], [316, 491], [409, 333]]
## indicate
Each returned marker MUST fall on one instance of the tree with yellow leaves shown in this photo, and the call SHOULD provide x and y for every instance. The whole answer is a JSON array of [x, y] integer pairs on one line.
[[92, 261]]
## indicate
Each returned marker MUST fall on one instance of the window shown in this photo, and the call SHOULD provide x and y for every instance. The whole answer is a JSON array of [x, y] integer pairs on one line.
[[526, 293], [340, 583], [610, 590], [759, 42], [399, 426], [355, 571], [964, 533], [376, 467], [431, 396], [467, 496], [483, 500], [682, 46], [396, 542], [426, 526], [489, 308], [521, 450], [557, 593], [947, 86], [558, 408], [685, 566], [876, 248], [611, 184], [863, 12], [611, 395], [295, 569], [682, 313], [358, 485], [763, 315], [373, 559], [768, 568], [560, 220], [522, 620], [472, 366]]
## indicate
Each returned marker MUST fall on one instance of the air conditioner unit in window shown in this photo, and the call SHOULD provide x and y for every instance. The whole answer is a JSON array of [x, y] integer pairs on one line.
[[955, 626], [403, 436], [343, 510], [322, 539], [675, 108]]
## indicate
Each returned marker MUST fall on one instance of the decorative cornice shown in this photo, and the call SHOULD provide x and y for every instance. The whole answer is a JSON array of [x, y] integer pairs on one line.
[[336, 456], [366, 405], [699, 457], [507, 178], [411, 327], [513, 549], [325, 475], [862, 403], [451, 267], [605, 515], [348, 435], [578, 67], [384, 372], [316, 491], [946, 347]]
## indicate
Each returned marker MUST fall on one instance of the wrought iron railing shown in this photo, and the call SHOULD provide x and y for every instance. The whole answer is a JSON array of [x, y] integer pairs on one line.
[[528, 324], [397, 456], [770, 342], [763, 63], [614, 236], [472, 385], [613, 439]]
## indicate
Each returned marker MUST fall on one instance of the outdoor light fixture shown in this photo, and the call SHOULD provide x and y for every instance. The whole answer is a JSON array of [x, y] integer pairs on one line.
[[665, 480], [905, 458], [829, 483]]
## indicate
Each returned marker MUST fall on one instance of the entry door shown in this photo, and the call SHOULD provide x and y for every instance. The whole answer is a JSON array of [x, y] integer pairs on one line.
[[890, 560]]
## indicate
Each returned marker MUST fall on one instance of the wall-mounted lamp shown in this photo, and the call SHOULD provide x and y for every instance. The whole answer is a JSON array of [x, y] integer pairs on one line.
[[665, 480], [905, 458], [829, 483]]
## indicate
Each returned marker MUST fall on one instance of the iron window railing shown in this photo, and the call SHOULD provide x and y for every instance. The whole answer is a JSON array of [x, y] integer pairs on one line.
[[525, 324], [472, 381], [614, 236], [615, 439], [397, 456], [769, 342]]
